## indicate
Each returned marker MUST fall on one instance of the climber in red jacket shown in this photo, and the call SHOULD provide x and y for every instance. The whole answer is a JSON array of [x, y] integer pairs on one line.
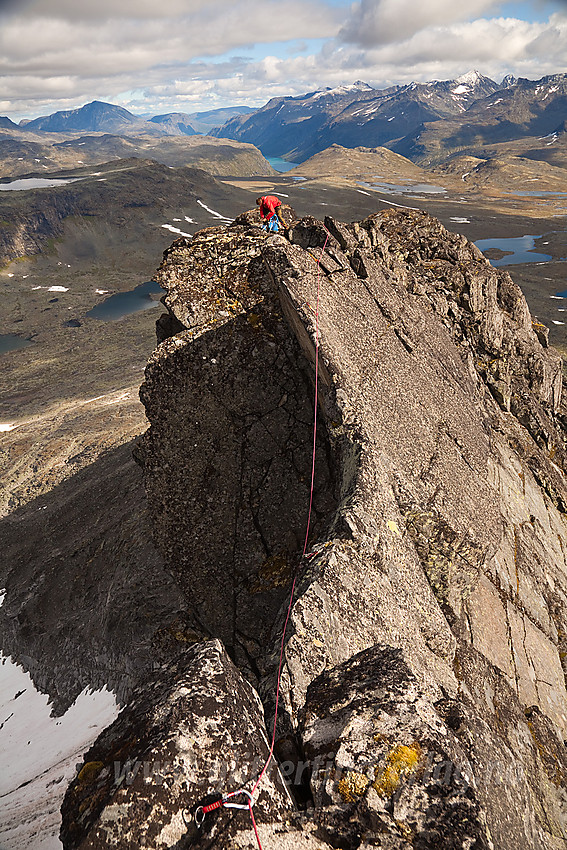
[[270, 209]]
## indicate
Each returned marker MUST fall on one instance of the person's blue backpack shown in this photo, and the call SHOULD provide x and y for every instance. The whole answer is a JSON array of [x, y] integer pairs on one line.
[[272, 224]]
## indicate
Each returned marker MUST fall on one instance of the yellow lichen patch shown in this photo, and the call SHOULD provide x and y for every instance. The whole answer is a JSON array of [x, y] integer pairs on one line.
[[401, 761], [184, 635], [393, 526], [405, 830], [254, 319], [353, 785], [90, 771], [274, 572]]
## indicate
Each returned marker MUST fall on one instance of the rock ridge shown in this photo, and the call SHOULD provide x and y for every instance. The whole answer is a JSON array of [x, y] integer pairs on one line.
[[423, 700]]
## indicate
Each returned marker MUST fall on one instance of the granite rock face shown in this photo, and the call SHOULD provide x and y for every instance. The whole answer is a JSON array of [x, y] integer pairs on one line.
[[422, 698]]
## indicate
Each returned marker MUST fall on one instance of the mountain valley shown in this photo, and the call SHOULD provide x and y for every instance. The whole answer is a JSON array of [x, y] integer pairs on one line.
[[27, 153]]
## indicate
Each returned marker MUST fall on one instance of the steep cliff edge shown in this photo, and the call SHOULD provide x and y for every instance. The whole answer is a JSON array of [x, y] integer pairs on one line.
[[423, 700]]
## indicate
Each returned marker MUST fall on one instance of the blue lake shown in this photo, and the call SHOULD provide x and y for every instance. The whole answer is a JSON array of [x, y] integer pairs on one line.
[[123, 303], [281, 164], [11, 342], [520, 248]]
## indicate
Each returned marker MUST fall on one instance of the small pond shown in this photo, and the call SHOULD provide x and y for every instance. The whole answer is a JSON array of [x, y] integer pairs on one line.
[[11, 342], [124, 303], [405, 189], [536, 194], [518, 250], [280, 164], [34, 183]]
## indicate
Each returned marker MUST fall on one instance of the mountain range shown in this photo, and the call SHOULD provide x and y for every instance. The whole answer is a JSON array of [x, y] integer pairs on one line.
[[470, 110], [98, 116], [426, 122], [181, 123]]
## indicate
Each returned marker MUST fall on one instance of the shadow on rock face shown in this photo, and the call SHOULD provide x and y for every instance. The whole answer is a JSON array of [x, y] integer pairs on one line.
[[88, 601], [227, 468]]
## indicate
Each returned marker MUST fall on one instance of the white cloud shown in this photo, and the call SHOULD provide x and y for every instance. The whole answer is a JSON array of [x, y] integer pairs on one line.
[[384, 21], [54, 49], [187, 55]]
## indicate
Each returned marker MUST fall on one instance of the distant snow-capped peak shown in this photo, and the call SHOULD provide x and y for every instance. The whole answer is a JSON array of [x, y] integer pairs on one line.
[[357, 86], [472, 83], [471, 78]]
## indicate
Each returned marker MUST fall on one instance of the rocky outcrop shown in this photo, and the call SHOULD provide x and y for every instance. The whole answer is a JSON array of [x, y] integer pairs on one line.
[[155, 775], [422, 698], [131, 194]]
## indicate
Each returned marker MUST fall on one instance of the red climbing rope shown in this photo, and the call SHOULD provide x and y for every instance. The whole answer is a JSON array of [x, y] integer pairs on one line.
[[203, 810]]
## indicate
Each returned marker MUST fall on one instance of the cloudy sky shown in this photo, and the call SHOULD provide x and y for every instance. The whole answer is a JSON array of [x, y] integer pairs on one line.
[[157, 56]]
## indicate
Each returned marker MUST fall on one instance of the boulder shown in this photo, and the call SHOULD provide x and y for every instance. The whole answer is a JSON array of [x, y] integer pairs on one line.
[[190, 735]]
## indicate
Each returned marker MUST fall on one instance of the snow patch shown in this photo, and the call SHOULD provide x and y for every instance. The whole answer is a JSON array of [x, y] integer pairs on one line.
[[460, 220], [176, 230], [5, 426], [358, 86], [122, 397], [555, 322], [102, 291], [2, 595], [402, 206], [214, 212], [58, 289], [460, 90], [189, 220], [39, 755]]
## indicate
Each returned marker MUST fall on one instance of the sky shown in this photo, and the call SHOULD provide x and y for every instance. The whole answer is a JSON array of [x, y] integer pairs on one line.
[[160, 56]]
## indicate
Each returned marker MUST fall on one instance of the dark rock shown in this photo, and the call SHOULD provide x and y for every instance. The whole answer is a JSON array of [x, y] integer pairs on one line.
[[167, 325]]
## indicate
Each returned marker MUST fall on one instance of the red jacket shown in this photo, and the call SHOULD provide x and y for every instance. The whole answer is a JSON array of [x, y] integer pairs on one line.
[[268, 206]]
